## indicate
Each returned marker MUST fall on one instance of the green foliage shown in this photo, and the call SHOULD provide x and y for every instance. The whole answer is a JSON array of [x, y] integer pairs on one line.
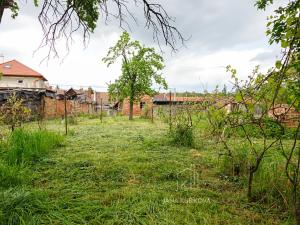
[[283, 26], [182, 135], [130, 172], [146, 112], [141, 68], [270, 181], [27, 146], [271, 130], [11, 176], [20, 207], [163, 114], [181, 130], [87, 11], [72, 120], [13, 112]]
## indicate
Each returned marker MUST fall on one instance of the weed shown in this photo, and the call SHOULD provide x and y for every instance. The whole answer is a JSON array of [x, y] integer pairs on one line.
[[27, 146]]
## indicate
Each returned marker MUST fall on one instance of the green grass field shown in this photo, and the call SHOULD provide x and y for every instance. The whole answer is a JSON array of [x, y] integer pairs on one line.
[[122, 172]]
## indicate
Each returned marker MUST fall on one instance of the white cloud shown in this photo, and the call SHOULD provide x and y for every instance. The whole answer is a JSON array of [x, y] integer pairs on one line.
[[223, 33], [197, 72]]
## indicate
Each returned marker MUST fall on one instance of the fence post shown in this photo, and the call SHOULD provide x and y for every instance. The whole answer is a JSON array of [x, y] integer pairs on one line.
[[101, 117], [170, 103], [152, 114], [66, 113]]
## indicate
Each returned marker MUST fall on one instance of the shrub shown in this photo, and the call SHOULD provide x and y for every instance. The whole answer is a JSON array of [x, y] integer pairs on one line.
[[21, 207], [72, 120], [146, 113], [182, 134], [271, 130], [237, 163], [13, 112], [181, 128], [26, 146]]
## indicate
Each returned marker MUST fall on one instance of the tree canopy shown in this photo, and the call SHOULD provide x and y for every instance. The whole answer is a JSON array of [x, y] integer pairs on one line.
[[141, 68]]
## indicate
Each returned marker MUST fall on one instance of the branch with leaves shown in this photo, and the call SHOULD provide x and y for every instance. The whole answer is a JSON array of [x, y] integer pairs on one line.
[[61, 19]]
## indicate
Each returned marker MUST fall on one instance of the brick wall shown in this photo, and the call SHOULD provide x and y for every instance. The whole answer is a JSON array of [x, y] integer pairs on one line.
[[54, 108], [289, 116], [137, 110]]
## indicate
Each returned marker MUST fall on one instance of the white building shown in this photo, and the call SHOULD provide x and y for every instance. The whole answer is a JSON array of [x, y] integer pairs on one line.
[[14, 74]]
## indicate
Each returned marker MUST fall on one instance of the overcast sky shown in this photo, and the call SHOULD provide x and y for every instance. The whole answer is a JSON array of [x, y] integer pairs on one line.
[[221, 32]]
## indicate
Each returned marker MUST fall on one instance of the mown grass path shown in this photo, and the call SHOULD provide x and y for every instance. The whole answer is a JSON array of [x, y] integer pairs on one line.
[[122, 172]]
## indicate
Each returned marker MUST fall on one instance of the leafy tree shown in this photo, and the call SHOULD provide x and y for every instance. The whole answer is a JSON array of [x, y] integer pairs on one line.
[[60, 19], [13, 112], [284, 29], [266, 91], [140, 69]]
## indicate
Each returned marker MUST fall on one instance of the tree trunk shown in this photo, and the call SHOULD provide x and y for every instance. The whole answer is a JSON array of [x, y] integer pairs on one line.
[[131, 110], [297, 215], [296, 205], [250, 181]]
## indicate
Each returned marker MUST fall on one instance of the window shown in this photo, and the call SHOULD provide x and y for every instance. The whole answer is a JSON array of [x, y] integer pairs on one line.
[[142, 105], [20, 81]]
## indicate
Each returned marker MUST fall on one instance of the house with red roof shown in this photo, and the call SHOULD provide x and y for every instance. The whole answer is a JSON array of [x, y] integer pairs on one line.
[[16, 75]]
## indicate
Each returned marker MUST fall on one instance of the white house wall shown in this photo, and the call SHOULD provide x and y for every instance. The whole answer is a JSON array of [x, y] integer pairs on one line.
[[28, 82]]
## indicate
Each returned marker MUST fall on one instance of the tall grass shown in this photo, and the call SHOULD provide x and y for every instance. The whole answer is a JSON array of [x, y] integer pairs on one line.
[[21, 207], [27, 146], [271, 183], [12, 175]]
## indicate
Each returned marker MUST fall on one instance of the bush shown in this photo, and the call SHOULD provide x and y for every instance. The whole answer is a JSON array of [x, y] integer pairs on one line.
[[271, 129], [181, 127], [13, 112], [182, 134], [237, 163], [21, 207], [146, 113], [72, 120], [26, 146]]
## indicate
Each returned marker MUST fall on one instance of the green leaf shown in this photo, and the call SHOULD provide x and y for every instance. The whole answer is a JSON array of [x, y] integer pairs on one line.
[[285, 44], [278, 64], [238, 97]]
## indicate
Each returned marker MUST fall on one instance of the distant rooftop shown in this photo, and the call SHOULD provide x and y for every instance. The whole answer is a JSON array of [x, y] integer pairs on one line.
[[16, 69]]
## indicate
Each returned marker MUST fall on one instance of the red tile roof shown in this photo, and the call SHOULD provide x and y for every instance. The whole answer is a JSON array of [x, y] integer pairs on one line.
[[166, 98], [15, 68]]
